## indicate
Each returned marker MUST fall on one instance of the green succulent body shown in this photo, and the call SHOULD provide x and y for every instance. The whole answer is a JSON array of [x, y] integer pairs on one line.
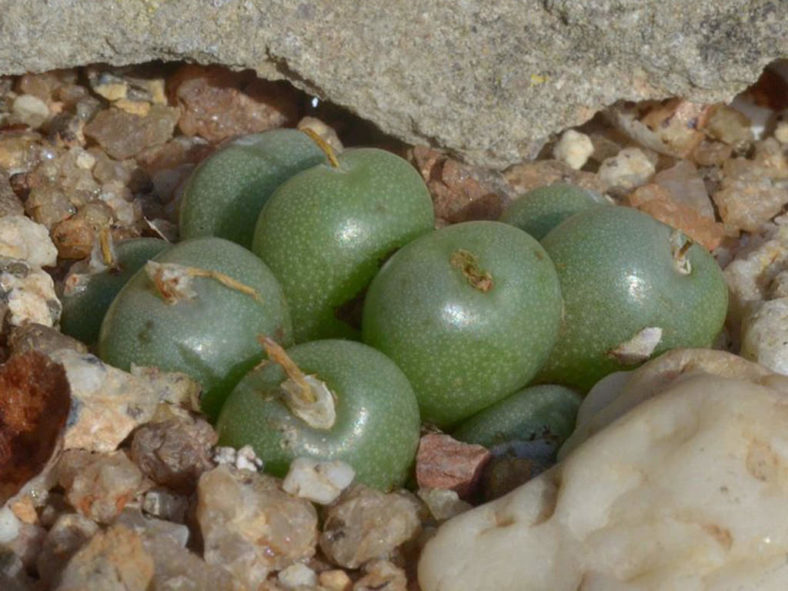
[[542, 209], [84, 307], [469, 313], [537, 412], [225, 193], [620, 274], [377, 419], [212, 336], [326, 231]]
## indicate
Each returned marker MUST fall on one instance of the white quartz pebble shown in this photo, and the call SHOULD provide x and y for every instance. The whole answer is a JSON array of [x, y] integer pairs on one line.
[[628, 169], [297, 575], [685, 490], [30, 110], [29, 293], [21, 238], [765, 335], [574, 148], [320, 482]]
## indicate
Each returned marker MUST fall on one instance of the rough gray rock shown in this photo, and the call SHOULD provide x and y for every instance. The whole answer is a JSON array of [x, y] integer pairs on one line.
[[489, 80]]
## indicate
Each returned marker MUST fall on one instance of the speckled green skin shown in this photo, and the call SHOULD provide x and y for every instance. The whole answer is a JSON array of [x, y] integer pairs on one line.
[[326, 231], [537, 412], [461, 348], [212, 337], [617, 278], [540, 210], [83, 311], [377, 425], [225, 193]]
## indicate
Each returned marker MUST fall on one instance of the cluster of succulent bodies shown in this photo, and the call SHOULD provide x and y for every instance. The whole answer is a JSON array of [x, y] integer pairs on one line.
[[291, 255]]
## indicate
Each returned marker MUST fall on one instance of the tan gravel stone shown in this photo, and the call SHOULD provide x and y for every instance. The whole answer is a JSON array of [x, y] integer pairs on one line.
[[365, 523], [335, 580], [539, 173], [456, 195], [174, 453], [250, 526], [114, 559], [749, 196], [66, 537], [659, 203], [124, 135], [218, 103], [382, 574], [99, 485], [628, 169]]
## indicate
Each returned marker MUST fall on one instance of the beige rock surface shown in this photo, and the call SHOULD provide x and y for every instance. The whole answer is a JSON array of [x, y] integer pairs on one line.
[[687, 490], [488, 80]]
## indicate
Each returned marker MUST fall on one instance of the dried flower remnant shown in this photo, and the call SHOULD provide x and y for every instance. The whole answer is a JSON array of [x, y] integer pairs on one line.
[[175, 282], [34, 405], [307, 397], [323, 130], [468, 263]]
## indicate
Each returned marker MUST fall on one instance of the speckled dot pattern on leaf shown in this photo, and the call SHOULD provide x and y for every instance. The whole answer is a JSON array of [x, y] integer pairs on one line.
[[377, 425], [461, 347], [326, 231], [212, 337], [618, 277], [226, 192]]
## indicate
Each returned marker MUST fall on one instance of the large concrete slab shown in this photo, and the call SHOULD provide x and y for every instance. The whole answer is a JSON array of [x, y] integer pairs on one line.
[[489, 80]]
